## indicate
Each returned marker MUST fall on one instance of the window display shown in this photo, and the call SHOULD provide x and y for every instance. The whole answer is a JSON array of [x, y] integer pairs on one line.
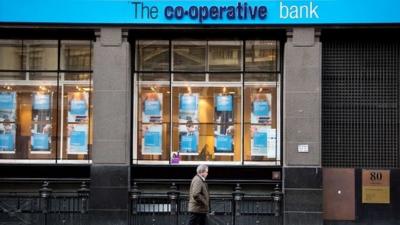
[[45, 110], [208, 109]]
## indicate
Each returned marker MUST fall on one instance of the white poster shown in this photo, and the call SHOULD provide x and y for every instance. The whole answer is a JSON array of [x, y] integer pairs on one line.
[[263, 141]]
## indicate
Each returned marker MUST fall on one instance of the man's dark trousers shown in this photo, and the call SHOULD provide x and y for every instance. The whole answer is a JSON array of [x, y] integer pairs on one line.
[[197, 218]]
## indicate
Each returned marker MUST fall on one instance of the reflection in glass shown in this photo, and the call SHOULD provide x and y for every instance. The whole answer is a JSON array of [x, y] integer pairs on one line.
[[10, 54], [77, 76], [153, 55], [224, 55], [76, 55], [189, 55], [12, 76], [261, 77], [225, 77], [41, 55], [154, 76], [261, 56], [189, 76], [42, 76]]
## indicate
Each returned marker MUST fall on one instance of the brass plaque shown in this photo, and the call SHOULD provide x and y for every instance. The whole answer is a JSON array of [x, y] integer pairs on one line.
[[376, 186]]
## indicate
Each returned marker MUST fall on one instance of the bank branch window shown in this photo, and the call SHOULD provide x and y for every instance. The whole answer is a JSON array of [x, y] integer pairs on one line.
[[45, 101], [214, 101]]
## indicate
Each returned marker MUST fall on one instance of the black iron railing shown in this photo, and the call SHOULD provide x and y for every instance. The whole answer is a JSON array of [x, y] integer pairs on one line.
[[236, 208], [45, 207]]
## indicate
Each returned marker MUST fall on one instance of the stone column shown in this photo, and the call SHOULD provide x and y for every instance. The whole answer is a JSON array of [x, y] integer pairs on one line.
[[302, 128], [111, 151]]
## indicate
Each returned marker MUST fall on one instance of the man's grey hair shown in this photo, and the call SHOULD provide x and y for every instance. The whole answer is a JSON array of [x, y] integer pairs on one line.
[[201, 168]]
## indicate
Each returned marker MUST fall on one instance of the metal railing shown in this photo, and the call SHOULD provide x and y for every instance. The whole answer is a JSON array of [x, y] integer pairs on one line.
[[237, 208], [45, 207]]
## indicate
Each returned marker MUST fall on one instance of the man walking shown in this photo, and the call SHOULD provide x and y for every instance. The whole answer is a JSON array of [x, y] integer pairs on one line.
[[199, 197]]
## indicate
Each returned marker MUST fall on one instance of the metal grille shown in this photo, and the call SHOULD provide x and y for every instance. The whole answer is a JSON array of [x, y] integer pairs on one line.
[[360, 104]]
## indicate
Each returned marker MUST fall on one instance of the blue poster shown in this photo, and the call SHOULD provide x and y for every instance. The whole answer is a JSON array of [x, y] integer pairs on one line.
[[78, 107], [223, 143], [6, 142], [260, 141], [152, 142], [41, 102], [152, 107], [260, 108], [7, 101], [188, 107], [78, 142], [224, 103], [40, 142], [188, 103], [188, 143]]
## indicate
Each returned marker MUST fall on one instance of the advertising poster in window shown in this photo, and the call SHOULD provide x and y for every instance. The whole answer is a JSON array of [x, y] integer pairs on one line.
[[78, 106], [41, 107], [40, 138], [7, 106], [152, 107], [261, 108], [223, 144], [188, 138], [77, 139], [223, 117], [152, 140], [188, 107], [7, 137], [263, 141], [223, 108]]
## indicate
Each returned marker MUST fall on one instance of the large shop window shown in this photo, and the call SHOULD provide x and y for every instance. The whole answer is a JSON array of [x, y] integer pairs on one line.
[[45, 101], [210, 101]]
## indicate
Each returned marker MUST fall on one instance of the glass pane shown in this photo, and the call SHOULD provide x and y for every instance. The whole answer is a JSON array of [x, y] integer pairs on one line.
[[10, 54], [189, 55], [28, 121], [77, 76], [189, 77], [260, 123], [225, 55], [206, 123], [225, 77], [77, 122], [12, 76], [154, 77], [154, 123], [42, 76], [40, 55], [261, 56], [76, 55], [153, 56], [261, 77]]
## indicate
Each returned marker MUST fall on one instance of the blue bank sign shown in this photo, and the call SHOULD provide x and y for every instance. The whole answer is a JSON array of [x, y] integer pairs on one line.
[[196, 12]]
